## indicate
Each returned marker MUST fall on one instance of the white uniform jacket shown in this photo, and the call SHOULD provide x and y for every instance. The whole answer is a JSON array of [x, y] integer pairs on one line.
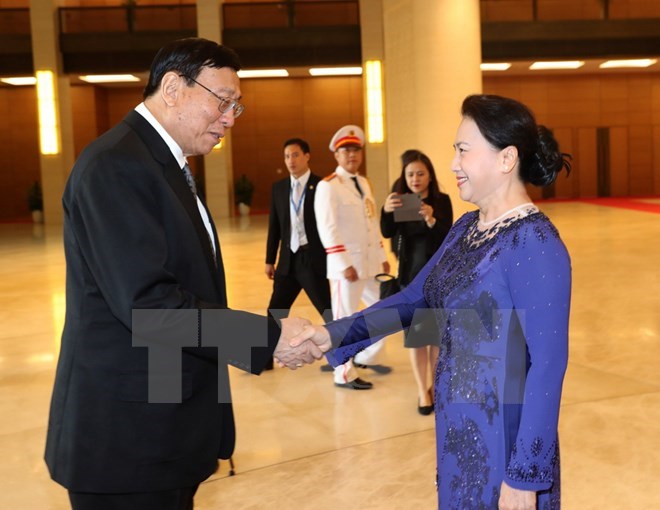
[[348, 226]]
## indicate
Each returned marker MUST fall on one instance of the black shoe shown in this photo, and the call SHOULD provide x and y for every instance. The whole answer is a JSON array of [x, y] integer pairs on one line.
[[356, 384], [425, 410], [327, 368], [379, 369]]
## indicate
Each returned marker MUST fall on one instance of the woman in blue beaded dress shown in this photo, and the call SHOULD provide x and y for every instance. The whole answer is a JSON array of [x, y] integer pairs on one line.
[[500, 288]]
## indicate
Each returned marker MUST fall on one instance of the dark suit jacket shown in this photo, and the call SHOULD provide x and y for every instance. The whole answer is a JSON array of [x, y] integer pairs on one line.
[[134, 239], [279, 227]]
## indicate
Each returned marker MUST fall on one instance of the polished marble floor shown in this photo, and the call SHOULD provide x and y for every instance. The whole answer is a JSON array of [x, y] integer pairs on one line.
[[303, 444]]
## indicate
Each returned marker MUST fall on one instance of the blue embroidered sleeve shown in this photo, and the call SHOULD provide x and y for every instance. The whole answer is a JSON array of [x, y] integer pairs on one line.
[[352, 334], [539, 274]]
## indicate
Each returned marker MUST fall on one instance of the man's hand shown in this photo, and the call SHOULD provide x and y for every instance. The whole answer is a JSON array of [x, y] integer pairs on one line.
[[351, 274], [270, 271], [302, 353]]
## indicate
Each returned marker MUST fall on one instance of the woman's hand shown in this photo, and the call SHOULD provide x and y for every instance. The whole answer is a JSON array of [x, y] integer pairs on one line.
[[516, 499], [318, 336], [426, 212], [392, 202]]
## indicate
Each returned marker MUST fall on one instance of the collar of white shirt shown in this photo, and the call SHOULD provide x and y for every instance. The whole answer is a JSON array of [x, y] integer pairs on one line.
[[302, 179], [174, 147], [344, 174]]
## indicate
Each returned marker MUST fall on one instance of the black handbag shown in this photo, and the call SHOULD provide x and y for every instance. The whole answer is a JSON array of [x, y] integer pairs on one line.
[[389, 284]]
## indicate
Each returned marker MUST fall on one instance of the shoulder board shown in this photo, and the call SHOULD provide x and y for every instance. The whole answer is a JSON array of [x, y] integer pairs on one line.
[[330, 177]]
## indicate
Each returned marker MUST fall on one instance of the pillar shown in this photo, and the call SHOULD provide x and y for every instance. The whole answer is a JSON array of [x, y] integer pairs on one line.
[[218, 164], [373, 48], [54, 169], [432, 58]]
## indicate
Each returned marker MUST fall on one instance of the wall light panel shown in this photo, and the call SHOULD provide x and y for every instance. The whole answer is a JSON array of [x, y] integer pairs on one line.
[[375, 114], [49, 129]]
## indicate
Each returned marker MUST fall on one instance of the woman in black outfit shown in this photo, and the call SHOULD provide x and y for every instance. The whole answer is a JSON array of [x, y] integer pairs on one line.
[[414, 242]]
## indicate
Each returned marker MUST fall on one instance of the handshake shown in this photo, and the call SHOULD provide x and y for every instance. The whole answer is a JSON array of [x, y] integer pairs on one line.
[[301, 343]]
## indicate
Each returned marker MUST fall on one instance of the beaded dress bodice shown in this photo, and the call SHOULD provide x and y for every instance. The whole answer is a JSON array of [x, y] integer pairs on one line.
[[482, 373], [500, 294]]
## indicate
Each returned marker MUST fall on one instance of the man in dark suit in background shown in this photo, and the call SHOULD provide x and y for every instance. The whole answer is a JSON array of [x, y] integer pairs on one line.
[[292, 229], [138, 238]]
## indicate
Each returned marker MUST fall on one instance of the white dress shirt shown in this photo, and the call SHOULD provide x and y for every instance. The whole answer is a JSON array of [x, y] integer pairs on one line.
[[181, 159]]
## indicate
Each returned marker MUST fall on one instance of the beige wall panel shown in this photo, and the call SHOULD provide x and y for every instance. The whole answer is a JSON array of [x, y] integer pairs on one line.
[[639, 187], [656, 160], [19, 145], [329, 104], [115, 3], [578, 107], [569, 9], [121, 101], [84, 108], [640, 140], [502, 86], [506, 10], [337, 100], [619, 168], [586, 163], [534, 192], [566, 186], [655, 101], [277, 110], [614, 101], [640, 93], [634, 9], [14, 4], [641, 160], [534, 93]]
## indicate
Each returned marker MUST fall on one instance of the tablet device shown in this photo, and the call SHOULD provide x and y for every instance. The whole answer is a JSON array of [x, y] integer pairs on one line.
[[411, 203]]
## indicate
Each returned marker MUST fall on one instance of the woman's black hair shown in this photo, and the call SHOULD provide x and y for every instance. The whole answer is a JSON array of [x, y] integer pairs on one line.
[[506, 122], [187, 57], [410, 156]]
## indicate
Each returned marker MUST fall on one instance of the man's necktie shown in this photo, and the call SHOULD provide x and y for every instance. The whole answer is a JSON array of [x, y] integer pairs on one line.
[[190, 179], [357, 186], [296, 192], [193, 187]]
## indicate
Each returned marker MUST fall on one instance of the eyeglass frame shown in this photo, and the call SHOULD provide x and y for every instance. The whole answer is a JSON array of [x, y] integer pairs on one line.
[[348, 149], [233, 104]]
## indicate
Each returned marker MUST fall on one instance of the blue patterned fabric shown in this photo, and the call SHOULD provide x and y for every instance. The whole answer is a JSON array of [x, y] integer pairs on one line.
[[502, 304]]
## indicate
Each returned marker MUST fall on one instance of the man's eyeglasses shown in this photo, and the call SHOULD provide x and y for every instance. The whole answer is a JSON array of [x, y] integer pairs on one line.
[[351, 149], [226, 103]]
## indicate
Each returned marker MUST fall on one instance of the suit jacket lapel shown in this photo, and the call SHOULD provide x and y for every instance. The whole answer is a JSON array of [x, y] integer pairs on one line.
[[285, 204], [309, 201], [218, 265], [175, 178]]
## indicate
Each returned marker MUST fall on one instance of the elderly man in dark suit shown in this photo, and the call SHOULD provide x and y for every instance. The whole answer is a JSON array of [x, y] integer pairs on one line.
[[137, 237], [292, 229]]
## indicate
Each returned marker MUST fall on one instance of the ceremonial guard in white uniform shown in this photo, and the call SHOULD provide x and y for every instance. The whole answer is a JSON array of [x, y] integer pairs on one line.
[[348, 225]]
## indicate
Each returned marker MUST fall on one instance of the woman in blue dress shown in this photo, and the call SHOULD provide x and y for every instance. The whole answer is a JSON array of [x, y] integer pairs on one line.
[[499, 287]]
